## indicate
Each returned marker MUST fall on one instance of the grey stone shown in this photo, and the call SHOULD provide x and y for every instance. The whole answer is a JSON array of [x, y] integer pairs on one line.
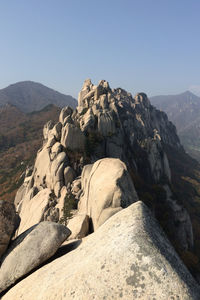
[[79, 226], [87, 121], [47, 127], [106, 189], [128, 257], [66, 111], [69, 175], [33, 209], [31, 249], [56, 130], [106, 124], [72, 138], [9, 222]]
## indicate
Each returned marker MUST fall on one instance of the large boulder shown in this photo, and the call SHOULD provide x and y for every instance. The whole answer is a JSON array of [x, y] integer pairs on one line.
[[87, 86], [72, 138], [30, 250], [57, 167], [42, 167], [9, 221], [32, 210], [106, 124], [47, 128], [107, 188], [128, 257], [65, 112]]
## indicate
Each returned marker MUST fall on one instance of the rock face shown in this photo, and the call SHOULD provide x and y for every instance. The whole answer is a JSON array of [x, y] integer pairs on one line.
[[72, 138], [128, 257], [184, 231], [108, 123], [107, 188], [33, 209], [9, 222], [30, 250]]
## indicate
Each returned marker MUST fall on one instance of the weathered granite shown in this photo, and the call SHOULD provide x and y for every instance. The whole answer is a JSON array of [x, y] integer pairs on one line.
[[29, 250], [128, 257]]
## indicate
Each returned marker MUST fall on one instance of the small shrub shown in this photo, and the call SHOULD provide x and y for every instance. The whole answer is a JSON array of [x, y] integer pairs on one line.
[[69, 205]]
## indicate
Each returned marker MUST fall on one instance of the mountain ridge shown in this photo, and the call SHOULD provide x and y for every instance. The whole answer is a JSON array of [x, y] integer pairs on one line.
[[184, 111], [187, 93], [31, 96]]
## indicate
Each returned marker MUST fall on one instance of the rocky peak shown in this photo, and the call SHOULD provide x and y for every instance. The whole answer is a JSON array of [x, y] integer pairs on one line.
[[108, 123]]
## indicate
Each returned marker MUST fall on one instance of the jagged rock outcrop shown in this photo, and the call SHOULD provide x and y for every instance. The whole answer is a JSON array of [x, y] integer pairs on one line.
[[29, 250], [128, 257], [9, 221], [107, 123]]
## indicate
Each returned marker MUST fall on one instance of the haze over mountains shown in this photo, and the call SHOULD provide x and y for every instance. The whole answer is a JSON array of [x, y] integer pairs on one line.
[[184, 111], [31, 96]]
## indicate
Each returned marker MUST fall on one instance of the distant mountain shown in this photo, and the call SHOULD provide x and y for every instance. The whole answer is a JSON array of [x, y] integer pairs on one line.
[[31, 96], [184, 111], [20, 139]]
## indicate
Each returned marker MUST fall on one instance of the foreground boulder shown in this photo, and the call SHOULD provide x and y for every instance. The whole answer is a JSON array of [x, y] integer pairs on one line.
[[8, 223], [128, 257], [30, 250]]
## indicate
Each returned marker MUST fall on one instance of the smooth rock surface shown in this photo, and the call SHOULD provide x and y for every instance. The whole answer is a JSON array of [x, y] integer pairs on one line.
[[128, 257], [31, 249], [72, 138], [65, 112], [32, 210], [69, 175], [79, 226], [8, 222], [106, 189]]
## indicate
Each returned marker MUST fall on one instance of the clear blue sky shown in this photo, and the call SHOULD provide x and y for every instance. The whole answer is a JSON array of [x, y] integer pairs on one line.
[[140, 45]]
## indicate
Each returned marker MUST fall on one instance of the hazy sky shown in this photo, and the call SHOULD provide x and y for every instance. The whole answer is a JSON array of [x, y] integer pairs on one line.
[[140, 45]]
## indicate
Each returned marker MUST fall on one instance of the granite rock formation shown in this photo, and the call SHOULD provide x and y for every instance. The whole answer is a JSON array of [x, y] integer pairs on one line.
[[108, 123], [95, 164], [128, 257], [30, 250]]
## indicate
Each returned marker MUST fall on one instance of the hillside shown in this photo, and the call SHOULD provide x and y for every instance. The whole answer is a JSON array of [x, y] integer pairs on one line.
[[31, 96], [184, 111], [20, 139]]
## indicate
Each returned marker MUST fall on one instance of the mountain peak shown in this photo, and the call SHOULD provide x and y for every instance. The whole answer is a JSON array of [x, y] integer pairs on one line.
[[31, 96], [188, 93]]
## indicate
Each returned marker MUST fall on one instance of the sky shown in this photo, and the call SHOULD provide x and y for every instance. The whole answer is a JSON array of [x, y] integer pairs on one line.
[[150, 46]]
